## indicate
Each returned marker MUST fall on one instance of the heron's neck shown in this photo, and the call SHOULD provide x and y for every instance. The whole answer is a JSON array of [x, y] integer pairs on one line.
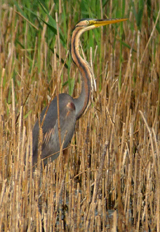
[[86, 73]]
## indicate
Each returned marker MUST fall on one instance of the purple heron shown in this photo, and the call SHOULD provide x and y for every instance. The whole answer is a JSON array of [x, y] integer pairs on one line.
[[70, 109]]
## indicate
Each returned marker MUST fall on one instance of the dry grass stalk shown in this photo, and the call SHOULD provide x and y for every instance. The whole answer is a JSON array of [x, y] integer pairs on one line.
[[124, 194]]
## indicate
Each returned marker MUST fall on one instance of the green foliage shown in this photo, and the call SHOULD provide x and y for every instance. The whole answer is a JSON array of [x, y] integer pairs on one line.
[[139, 12], [37, 12]]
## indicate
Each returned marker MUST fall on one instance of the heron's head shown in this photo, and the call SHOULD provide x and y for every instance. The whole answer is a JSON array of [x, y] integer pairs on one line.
[[88, 24]]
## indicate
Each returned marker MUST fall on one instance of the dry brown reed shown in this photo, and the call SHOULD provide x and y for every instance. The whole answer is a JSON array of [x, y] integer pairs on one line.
[[116, 188]]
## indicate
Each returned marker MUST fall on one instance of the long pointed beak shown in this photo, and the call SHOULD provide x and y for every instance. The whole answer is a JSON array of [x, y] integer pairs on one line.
[[101, 22]]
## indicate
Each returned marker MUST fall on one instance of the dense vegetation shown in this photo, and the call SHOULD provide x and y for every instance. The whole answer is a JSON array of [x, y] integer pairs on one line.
[[112, 178]]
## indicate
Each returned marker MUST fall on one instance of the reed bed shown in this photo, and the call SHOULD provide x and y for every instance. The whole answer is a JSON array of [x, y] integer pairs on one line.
[[111, 181]]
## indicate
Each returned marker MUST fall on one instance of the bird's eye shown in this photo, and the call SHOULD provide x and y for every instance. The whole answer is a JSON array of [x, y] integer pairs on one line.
[[87, 22]]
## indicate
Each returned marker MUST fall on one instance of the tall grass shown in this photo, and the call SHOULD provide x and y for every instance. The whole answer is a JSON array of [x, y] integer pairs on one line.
[[112, 179]]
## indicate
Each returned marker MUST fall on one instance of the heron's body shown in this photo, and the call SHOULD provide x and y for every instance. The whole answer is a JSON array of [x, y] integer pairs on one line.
[[70, 109], [50, 146]]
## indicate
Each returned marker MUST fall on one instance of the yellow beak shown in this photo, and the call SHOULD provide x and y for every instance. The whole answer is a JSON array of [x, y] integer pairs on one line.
[[101, 22]]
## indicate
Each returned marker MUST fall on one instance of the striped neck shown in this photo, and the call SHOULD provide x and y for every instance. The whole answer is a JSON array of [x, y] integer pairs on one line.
[[86, 73]]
